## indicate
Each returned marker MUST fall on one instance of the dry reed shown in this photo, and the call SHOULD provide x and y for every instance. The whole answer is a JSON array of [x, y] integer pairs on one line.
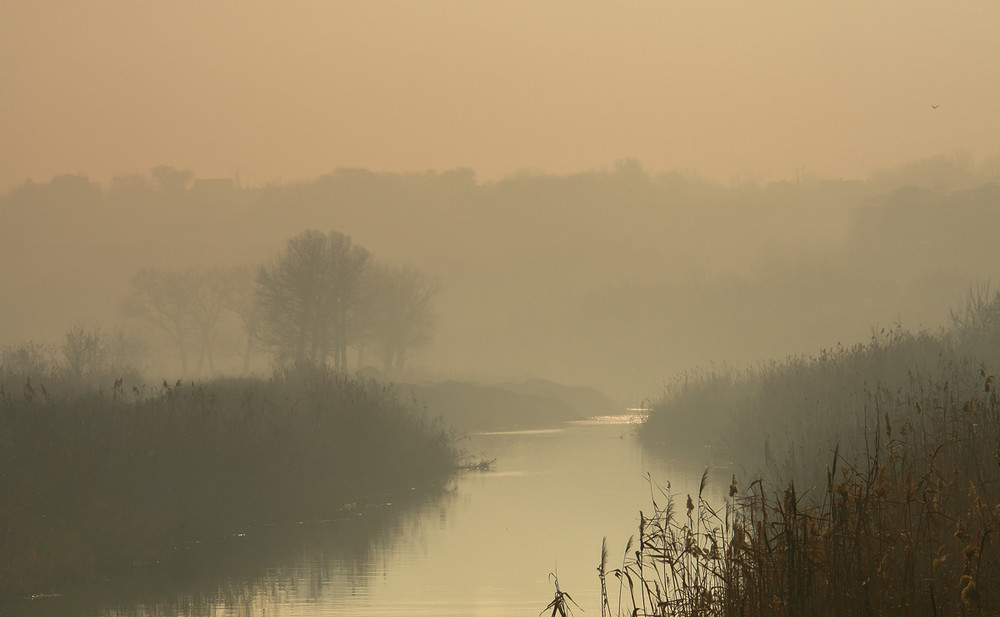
[[908, 527]]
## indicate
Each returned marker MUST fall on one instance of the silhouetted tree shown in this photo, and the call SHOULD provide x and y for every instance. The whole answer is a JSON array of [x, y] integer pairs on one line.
[[242, 301], [91, 352], [158, 298], [27, 360], [170, 181], [403, 316], [185, 305], [207, 297], [84, 351], [308, 295], [977, 322]]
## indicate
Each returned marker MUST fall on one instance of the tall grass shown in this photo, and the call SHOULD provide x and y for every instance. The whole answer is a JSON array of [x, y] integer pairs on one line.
[[780, 416], [913, 528], [878, 489], [97, 477]]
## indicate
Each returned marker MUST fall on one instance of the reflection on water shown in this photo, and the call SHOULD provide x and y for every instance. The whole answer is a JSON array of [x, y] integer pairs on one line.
[[533, 431], [254, 571], [632, 418], [483, 547]]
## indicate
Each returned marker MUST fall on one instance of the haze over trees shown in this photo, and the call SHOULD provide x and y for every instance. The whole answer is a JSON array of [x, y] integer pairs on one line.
[[401, 318], [309, 295], [321, 296], [615, 277], [324, 294], [186, 306]]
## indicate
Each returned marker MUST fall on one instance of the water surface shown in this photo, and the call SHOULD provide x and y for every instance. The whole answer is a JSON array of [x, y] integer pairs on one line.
[[486, 546]]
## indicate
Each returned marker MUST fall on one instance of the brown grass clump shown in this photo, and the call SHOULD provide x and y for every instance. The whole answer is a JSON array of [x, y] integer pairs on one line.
[[911, 526]]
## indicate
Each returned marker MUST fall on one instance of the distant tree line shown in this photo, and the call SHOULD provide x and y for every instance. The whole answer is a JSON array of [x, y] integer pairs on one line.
[[322, 296], [642, 269], [86, 356]]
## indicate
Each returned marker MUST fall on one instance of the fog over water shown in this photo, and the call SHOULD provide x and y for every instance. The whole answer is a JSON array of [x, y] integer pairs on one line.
[[617, 278], [616, 193], [555, 210]]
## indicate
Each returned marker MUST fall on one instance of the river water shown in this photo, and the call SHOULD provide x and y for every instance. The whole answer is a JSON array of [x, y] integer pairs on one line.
[[485, 546]]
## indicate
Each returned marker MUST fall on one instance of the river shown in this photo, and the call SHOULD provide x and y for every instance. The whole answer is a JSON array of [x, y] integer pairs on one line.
[[485, 546]]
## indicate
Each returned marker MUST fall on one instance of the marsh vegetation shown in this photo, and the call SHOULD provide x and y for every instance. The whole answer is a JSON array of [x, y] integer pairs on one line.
[[121, 473], [247, 290], [879, 496]]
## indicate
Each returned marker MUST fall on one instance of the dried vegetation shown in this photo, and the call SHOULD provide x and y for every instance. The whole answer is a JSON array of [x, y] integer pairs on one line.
[[904, 518]]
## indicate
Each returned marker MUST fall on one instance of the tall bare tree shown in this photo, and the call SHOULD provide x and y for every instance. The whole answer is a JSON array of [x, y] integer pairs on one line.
[[186, 305], [160, 299], [242, 301], [403, 316], [306, 297], [208, 296]]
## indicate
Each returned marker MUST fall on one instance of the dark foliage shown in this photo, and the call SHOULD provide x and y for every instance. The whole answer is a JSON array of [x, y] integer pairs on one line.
[[92, 479]]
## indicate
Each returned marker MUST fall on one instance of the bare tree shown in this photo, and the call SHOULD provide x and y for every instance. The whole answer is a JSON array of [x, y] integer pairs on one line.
[[978, 320], [207, 298], [241, 300], [85, 351], [187, 306], [91, 352], [307, 296], [351, 266], [159, 298], [403, 312]]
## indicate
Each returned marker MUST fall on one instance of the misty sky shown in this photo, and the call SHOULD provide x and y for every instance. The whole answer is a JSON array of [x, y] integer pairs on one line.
[[292, 90]]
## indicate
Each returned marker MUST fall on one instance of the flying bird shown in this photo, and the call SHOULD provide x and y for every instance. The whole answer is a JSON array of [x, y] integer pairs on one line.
[[934, 106]]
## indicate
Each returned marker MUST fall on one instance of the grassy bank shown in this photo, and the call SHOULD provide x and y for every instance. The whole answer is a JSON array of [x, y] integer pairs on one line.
[[873, 485], [783, 417], [910, 527], [93, 478]]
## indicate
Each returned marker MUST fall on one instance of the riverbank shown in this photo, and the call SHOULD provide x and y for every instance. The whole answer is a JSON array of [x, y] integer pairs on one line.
[[548, 490], [866, 483], [97, 478], [908, 526]]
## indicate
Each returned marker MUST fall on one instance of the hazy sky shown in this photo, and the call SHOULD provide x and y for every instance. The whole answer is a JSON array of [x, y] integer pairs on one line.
[[295, 89]]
